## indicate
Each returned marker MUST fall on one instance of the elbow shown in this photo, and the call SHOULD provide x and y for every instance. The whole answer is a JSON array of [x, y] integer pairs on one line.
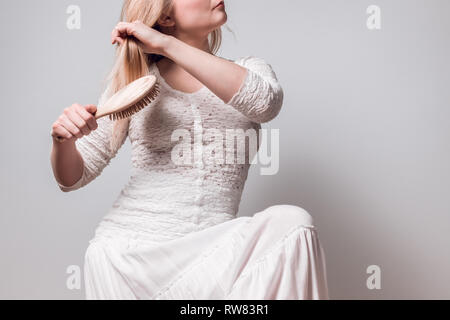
[[77, 185], [67, 189], [259, 99], [271, 104], [64, 190]]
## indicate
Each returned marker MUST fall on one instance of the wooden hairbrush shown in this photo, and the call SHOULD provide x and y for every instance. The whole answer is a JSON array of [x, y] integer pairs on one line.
[[129, 100]]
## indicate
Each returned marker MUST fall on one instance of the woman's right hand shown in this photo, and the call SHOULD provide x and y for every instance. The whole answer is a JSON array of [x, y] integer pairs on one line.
[[149, 39], [75, 122]]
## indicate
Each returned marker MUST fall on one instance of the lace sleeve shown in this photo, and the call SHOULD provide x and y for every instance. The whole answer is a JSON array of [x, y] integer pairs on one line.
[[96, 151], [260, 97]]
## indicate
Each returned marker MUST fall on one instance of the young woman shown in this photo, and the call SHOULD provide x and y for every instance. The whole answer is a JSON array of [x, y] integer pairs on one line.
[[172, 232]]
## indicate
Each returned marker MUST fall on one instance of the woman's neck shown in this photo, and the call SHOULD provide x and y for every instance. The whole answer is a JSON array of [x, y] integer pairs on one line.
[[197, 41]]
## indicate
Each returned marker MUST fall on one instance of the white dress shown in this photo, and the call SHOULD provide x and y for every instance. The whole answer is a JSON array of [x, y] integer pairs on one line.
[[173, 231]]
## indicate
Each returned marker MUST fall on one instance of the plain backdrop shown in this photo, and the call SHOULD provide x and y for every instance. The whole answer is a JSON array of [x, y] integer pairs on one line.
[[364, 137]]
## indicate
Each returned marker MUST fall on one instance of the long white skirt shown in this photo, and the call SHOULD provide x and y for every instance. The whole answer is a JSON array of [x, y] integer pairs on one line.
[[275, 254]]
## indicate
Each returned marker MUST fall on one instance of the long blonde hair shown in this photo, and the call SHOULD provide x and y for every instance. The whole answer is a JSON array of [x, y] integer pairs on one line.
[[132, 63]]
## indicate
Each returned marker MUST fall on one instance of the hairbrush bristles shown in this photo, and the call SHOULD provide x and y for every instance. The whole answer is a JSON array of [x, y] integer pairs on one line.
[[138, 106]]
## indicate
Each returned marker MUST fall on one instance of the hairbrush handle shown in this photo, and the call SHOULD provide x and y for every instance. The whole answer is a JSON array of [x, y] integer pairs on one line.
[[128, 100]]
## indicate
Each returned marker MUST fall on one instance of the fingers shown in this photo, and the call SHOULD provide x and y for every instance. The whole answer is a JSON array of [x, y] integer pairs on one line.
[[88, 117], [72, 125], [75, 121], [123, 30], [115, 37], [59, 130], [69, 126], [92, 109]]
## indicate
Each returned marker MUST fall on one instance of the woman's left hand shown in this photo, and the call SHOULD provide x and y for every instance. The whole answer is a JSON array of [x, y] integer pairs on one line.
[[150, 39]]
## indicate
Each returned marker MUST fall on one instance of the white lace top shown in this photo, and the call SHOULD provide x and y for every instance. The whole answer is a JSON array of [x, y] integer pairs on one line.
[[165, 199]]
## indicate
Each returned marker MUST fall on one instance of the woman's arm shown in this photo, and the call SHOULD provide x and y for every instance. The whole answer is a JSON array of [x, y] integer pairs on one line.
[[260, 97], [221, 76], [249, 85], [95, 153], [76, 164], [63, 156]]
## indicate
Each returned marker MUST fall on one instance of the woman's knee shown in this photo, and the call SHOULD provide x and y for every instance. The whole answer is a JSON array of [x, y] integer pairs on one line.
[[295, 215]]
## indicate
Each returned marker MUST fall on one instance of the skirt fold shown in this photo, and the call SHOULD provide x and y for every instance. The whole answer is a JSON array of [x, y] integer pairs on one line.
[[275, 254]]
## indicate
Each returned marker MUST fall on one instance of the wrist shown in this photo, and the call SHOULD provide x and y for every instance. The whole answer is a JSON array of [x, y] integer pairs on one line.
[[167, 43]]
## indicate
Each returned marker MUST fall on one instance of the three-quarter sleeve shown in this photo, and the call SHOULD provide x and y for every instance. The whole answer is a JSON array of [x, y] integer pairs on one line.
[[260, 96], [96, 151]]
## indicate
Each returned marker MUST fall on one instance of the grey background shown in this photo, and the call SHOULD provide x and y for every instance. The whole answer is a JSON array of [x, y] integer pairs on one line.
[[364, 137]]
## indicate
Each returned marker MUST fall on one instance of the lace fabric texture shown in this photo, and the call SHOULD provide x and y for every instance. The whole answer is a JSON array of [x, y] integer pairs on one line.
[[172, 232], [164, 199]]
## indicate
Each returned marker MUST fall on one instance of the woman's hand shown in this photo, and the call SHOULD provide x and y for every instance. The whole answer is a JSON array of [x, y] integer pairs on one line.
[[151, 40], [75, 122]]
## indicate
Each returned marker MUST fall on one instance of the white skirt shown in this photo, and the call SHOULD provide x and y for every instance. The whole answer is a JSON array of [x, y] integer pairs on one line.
[[275, 254]]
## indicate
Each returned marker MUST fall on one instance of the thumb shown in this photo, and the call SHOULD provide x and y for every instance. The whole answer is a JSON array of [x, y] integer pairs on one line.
[[91, 108]]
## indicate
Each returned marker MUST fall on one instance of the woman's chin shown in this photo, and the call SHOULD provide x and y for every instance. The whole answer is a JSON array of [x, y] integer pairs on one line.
[[222, 19]]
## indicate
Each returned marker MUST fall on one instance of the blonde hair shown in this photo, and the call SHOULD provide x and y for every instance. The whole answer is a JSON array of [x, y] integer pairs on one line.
[[131, 63]]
